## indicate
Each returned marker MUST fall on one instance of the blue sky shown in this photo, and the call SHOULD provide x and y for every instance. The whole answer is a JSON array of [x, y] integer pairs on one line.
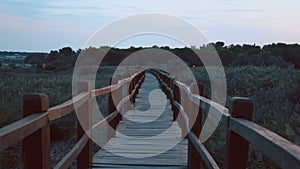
[[44, 25]]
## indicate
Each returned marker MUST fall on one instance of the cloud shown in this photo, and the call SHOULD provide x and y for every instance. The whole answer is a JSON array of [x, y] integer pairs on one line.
[[87, 8], [27, 25], [243, 10], [218, 19]]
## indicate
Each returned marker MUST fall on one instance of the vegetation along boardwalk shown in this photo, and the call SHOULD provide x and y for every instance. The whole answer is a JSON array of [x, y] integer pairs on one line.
[[161, 130], [147, 137]]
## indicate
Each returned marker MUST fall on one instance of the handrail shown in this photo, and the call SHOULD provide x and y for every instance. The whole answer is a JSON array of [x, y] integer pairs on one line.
[[104, 121], [270, 143], [240, 129], [37, 115], [67, 107], [13, 133], [72, 155], [202, 151]]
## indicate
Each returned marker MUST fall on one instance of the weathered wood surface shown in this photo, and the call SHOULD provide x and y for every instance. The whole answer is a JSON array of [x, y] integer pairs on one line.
[[146, 132]]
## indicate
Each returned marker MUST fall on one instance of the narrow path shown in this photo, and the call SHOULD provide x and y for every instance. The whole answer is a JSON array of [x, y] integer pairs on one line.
[[146, 137]]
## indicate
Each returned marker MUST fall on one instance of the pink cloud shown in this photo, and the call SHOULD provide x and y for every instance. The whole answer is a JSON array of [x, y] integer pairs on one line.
[[27, 25]]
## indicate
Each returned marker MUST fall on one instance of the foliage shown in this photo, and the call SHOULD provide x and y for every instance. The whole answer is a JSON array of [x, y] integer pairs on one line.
[[281, 55], [275, 93], [35, 59], [13, 84], [274, 90]]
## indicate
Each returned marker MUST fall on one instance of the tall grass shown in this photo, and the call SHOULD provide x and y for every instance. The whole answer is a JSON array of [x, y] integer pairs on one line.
[[58, 86]]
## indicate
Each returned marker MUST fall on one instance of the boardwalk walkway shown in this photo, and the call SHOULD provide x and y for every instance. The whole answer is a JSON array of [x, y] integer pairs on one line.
[[146, 137]]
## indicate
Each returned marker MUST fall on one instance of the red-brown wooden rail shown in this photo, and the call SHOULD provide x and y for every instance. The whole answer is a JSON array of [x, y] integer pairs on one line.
[[241, 131], [34, 128]]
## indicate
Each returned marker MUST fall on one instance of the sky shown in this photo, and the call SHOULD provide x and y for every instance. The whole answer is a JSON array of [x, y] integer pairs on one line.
[[44, 25]]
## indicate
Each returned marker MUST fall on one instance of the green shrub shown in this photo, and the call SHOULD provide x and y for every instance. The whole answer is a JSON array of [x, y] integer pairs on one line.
[[275, 93]]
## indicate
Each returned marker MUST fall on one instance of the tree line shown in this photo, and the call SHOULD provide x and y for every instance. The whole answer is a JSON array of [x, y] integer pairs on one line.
[[279, 54]]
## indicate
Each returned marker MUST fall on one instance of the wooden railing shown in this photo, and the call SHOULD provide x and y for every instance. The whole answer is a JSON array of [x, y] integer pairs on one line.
[[34, 129], [240, 129]]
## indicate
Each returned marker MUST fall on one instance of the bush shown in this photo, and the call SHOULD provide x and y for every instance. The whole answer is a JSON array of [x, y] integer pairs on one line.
[[275, 93]]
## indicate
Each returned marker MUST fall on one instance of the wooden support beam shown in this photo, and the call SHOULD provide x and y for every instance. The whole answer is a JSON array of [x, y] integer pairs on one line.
[[84, 113], [36, 147], [195, 121], [236, 153]]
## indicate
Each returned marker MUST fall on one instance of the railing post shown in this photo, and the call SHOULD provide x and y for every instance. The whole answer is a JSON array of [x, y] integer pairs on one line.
[[236, 153], [185, 105], [84, 113], [36, 147], [177, 99], [195, 118], [197, 88], [132, 86], [124, 93], [111, 105], [114, 99]]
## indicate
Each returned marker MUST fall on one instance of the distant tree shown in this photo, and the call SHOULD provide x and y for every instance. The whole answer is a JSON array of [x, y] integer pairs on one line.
[[264, 58], [233, 55], [114, 57], [236, 49], [219, 44], [78, 51], [52, 56], [251, 49], [226, 56], [290, 53], [35, 59], [241, 59], [165, 47], [66, 51], [62, 59]]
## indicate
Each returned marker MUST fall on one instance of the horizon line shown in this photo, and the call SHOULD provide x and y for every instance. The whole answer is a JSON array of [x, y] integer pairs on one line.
[[146, 46]]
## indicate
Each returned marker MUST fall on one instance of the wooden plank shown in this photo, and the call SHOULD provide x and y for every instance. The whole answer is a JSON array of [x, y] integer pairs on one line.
[[68, 106], [84, 112], [104, 122], [134, 138], [139, 161], [137, 166], [141, 147], [105, 90], [160, 159], [151, 130], [111, 88], [18, 130], [36, 146], [142, 140], [172, 152]]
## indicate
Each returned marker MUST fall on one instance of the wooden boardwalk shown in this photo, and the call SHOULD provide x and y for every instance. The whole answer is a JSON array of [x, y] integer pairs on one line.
[[147, 137]]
